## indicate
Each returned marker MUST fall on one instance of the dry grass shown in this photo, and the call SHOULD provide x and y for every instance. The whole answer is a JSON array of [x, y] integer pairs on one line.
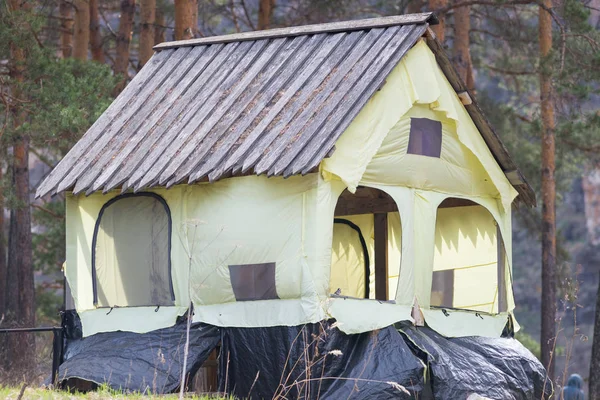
[[12, 393]]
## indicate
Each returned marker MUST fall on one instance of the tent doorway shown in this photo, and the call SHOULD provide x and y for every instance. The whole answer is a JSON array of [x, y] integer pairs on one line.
[[366, 247], [469, 264]]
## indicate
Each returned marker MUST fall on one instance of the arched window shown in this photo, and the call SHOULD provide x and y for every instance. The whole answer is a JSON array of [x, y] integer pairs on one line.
[[131, 260], [366, 247], [469, 264]]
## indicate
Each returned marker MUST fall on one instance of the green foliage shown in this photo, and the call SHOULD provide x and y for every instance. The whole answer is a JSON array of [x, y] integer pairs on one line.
[[69, 95], [56, 101], [529, 342]]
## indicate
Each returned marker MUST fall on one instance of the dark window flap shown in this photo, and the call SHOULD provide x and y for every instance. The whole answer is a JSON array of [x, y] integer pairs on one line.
[[253, 281]]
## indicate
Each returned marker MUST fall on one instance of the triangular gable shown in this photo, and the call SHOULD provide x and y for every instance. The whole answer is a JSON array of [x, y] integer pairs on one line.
[[416, 80]]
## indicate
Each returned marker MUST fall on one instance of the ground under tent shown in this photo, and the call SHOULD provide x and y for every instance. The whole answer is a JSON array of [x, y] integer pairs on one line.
[[403, 362], [282, 179]]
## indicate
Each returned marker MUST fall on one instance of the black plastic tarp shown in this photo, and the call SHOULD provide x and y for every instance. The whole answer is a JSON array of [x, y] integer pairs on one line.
[[148, 362], [496, 368], [318, 361]]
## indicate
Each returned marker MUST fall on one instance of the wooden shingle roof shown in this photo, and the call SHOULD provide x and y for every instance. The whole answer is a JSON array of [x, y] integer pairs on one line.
[[270, 102]]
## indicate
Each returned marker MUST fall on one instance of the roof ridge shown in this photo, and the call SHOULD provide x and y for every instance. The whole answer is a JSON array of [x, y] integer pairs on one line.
[[343, 26]]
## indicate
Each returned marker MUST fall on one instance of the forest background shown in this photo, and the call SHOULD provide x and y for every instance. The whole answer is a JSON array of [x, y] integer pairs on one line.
[[534, 67]]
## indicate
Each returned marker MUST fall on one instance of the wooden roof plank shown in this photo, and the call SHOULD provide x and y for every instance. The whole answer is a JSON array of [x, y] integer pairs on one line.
[[327, 45], [179, 81], [169, 113], [135, 104], [223, 116], [133, 132], [357, 60], [308, 159], [346, 94], [197, 107], [302, 90], [276, 77]]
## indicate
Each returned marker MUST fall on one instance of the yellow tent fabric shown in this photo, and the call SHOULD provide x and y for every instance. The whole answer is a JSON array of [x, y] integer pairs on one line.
[[288, 223], [416, 80]]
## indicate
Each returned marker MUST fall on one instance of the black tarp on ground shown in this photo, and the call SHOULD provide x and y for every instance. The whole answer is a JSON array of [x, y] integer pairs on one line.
[[298, 362], [497, 368], [147, 362]]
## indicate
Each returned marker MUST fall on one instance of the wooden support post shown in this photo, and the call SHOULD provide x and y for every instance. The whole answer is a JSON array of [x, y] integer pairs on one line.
[[381, 256]]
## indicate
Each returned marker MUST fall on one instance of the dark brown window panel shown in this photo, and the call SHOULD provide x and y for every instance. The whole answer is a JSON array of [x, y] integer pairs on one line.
[[253, 281], [425, 137], [442, 288]]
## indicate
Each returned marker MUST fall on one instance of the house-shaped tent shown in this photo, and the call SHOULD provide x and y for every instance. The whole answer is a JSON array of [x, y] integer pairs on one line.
[[291, 176]]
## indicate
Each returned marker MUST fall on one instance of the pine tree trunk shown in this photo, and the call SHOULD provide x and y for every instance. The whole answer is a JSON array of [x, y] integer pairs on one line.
[[95, 36], [414, 6], [594, 379], [3, 283], [439, 29], [462, 43], [123, 41], [186, 19], [591, 200], [66, 28], [159, 26], [3, 269], [82, 29], [21, 294], [548, 331], [265, 13], [148, 19]]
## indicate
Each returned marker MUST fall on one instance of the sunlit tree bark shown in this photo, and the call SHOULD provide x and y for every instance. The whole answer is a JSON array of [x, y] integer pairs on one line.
[[439, 29], [81, 39], [95, 36], [147, 19], [186, 19], [265, 13], [66, 28], [124, 40]]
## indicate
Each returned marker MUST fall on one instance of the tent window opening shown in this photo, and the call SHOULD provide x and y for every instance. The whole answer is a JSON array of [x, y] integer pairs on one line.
[[469, 264], [253, 281], [366, 247], [131, 260], [425, 137]]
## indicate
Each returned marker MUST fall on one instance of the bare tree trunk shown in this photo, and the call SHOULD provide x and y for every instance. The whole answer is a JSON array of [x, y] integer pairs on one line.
[[21, 300], [594, 379], [95, 36], [186, 19], [3, 268], [265, 13], [66, 28], [462, 43], [159, 26], [414, 6], [591, 199], [82, 29], [148, 19], [548, 331], [439, 29], [123, 41]]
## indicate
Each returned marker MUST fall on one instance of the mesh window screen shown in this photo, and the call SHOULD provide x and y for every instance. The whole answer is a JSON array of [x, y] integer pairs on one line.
[[425, 137], [253, 281], [131, 253]]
